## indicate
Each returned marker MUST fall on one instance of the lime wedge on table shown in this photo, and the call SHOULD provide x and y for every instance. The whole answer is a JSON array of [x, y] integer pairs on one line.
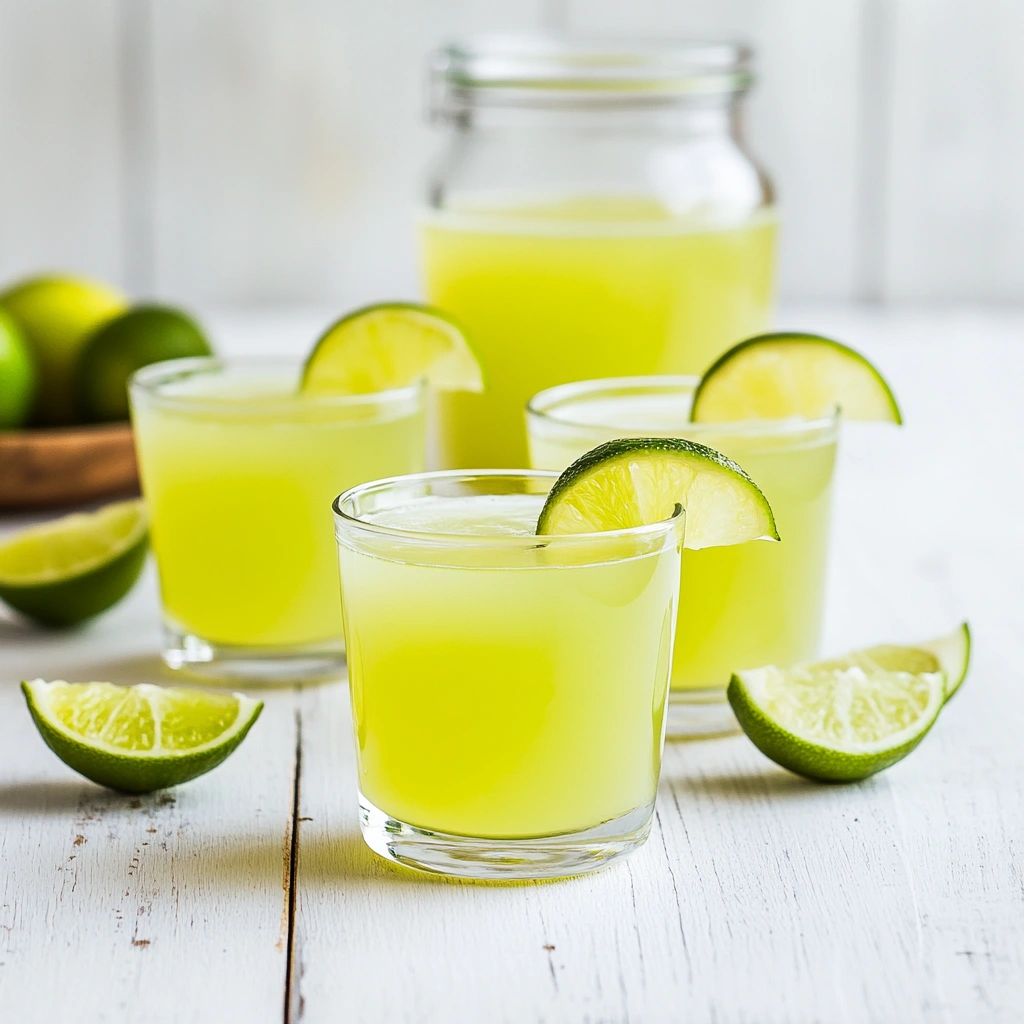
[[635, 481], [392, 345], [66, 571], [138, 738], [843, 719], [775, 376]]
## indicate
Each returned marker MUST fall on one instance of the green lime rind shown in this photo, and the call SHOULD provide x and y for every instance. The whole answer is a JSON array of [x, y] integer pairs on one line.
[[134, 771], [68, 597], [18, 382], [390, 345], [803, 752], [629, 482], [954, 654], [786, 373], [145, 334]]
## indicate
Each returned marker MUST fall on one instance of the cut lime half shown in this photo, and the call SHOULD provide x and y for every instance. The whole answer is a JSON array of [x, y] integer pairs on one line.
[[68, 570], [845, 718], [138, 738], [777, 376], [632, 482], [392, 345]]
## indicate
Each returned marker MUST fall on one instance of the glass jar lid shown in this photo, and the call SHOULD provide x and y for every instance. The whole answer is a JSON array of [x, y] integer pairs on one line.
[[524, 69]]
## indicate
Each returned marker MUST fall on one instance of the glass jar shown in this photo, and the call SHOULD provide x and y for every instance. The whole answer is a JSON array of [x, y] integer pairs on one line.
[[595, 214]]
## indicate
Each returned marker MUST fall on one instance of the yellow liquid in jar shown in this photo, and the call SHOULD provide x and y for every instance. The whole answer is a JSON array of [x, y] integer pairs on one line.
[[582, 289]]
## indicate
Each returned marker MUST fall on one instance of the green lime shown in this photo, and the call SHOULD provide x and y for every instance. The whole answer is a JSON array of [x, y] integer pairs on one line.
[[138, 738], [841, 719], [392, 345], [17, 374], [144, 334], [635, 481], [57, 315], [775, 376], [68, 570]]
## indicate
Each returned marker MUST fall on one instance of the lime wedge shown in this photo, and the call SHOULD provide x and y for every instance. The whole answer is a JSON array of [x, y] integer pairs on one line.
[[845, 718], [950, 654], [775, 376], [138, 738], [635, 481], [392, 345], [73, 568]]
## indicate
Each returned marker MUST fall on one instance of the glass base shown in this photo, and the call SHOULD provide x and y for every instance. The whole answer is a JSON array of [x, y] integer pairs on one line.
[[699, 714], [503, 860], [273, 666]]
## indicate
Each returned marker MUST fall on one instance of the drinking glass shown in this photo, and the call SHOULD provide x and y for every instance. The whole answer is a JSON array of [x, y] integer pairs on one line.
[[743, 605], [238, 470], [508, 690]]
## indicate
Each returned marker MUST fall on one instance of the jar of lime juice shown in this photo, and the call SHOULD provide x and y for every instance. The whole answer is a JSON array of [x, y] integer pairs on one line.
[[595, 213]]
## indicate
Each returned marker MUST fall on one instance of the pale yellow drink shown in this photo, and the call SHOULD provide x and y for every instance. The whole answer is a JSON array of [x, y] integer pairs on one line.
[[239, 471], [505, 685], [740, 606], [585, 288]]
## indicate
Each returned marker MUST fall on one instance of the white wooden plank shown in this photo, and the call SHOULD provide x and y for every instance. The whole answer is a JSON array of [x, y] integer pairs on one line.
[[805, 118], [760, 896], [60, 121], [170, 907], [292, 140], [955, 203]]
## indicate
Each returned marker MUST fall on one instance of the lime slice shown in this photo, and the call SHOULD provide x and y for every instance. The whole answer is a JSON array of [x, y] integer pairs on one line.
[[68, 570], [845, 718], [392, 345], [775, 376], [635, 481], [138, 738]]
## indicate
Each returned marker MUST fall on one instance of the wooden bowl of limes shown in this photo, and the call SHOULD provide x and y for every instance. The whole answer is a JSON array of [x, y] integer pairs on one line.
[[67, 348]]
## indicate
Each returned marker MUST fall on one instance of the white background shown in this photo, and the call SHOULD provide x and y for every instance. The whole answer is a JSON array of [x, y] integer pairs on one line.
[[240, 152]]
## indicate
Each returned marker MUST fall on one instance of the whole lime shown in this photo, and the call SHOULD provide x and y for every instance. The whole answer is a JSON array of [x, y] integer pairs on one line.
[[144, 334], [17, 375], [56, 315]]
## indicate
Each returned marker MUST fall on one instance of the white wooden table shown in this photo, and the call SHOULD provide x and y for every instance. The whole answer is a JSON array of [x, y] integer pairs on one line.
[[247, 895]]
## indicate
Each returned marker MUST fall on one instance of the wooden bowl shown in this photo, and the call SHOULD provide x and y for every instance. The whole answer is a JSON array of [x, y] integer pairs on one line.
[[66, 466]]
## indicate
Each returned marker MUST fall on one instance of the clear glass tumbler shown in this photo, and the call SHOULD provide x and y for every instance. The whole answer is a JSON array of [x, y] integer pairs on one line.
[[595, 211], [239, 469], [740, 606], [508, 690]]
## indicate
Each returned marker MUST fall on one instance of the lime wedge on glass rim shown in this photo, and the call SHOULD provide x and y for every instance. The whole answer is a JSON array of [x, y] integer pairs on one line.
[[138, 738], [843, 719], [68, 570], [777, 376], [632, 482], [392, 345]]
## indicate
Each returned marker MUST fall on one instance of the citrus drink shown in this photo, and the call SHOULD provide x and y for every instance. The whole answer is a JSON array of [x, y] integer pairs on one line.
[[552, 292], [239, 470], [504, 686], [741, 605]]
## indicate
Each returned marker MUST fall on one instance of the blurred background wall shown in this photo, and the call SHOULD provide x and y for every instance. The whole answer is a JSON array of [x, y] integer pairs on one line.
[[225, 152]]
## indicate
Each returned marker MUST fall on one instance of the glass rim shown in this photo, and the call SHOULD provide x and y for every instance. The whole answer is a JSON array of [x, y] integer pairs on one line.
[[541, 405], [149, 379], [422, 537], [594, 66]]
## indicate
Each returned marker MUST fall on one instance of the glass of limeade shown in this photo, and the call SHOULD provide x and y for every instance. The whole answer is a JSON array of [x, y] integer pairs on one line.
[[238, 470], [595, 213], [508, 690], [740, 606]]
